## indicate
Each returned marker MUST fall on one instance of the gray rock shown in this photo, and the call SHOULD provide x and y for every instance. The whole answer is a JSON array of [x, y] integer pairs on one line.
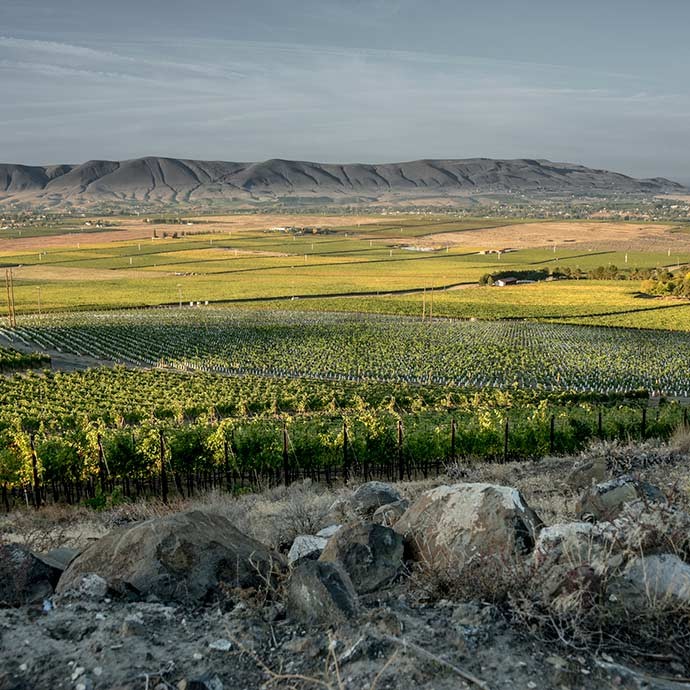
[[182, 557], [452, 526], [321, 593], [588, 472], [657, 579], [389, 514], [24, 578], [372, 495], [328, 532], [371, 554], [59, 558], [306, 546], [605, 501]]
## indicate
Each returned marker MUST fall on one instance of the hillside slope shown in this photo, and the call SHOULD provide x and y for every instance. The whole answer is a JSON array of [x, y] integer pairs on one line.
[[170, 180]]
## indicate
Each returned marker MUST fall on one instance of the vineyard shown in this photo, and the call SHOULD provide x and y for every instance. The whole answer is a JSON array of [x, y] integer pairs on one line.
[[112, 434], [13, 360], [351, 347]]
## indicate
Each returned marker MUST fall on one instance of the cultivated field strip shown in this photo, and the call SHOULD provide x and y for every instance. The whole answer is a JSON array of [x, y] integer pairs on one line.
[[351, 347]]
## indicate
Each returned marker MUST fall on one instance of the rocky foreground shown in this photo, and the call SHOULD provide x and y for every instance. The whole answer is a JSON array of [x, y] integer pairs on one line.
[[459, 586]]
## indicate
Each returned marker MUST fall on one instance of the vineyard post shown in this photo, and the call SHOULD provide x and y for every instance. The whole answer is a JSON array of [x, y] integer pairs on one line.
[[685, 418], [401, 460], [506, 435], [452, 439], [600, 425], [101, 464], [34, 467], [5, 497], [644, 423], [552, 435], [286, 463], [226, 461], [164, 474], [346, 468]]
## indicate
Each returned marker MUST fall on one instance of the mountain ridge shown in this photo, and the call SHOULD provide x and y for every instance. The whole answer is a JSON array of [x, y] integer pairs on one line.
[[175, 180]]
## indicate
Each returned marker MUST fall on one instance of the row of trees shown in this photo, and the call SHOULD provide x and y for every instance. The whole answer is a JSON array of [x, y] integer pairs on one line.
[[667, 284]]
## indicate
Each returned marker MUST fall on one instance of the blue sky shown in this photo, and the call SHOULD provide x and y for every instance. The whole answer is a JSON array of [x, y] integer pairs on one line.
[[601, 83]]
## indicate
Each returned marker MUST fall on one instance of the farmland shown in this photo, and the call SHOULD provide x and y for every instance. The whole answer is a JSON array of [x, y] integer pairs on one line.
[[257, 348]]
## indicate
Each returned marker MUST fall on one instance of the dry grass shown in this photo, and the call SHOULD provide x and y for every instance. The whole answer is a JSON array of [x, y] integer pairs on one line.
[[626, 236]]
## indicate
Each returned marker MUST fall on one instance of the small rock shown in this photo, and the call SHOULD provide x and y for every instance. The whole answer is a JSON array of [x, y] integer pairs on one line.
[[389, 514], [604, 502], [372, 495], [306, 547], [206, 682], [587, 473], [328, 532], [132, 626], [321, 593], [652, 580], [220, 645]]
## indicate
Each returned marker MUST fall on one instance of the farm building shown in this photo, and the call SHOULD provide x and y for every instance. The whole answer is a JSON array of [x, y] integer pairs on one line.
[[503, 282]]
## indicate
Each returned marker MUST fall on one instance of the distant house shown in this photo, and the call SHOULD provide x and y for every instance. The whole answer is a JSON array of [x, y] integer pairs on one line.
[[503, 282]]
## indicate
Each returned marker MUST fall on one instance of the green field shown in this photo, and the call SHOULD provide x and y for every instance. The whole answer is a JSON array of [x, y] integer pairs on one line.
[[374, 266]]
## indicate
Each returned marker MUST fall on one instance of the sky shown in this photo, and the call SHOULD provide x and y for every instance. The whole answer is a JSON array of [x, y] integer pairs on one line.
[[602, 83]]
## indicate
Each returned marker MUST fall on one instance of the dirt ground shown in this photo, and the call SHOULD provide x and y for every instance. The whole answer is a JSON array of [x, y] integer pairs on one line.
[[623, 236]]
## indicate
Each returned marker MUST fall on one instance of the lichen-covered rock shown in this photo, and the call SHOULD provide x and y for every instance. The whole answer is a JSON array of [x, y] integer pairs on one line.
[[371, 554], [372, 495], [462, 523], [306, 546], [321, 593], [603, 502], [389, 514], [182, 557], [24, 578]]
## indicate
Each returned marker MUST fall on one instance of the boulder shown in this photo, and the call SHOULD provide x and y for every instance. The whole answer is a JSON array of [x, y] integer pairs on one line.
[[371, 554], [652, 580], [24, 578], [184, 557], [306, 546], [321, 593], [451, 526], [389, 514], [605, 501], [372, 495]]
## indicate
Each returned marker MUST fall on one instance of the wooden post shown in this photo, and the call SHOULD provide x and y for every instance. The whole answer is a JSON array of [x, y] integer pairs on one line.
[[401, 459], [5, 497], [286, 462], [685, 417], [346, 467], [164, 474], [452, 439], [101, 463], [600, 425], [34, 467], [506, 435], [226, 461], [552, 435], [644, 423]]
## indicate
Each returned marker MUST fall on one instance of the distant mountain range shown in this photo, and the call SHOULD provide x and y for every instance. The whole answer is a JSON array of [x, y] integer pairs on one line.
[[173, 180]]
